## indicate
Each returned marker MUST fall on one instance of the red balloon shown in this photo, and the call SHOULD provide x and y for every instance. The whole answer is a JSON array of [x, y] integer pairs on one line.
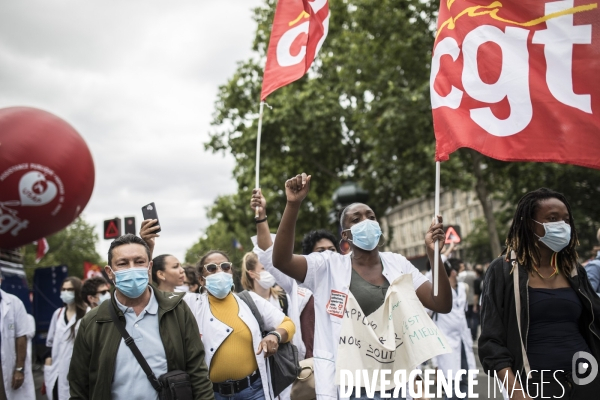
[[46, 175]]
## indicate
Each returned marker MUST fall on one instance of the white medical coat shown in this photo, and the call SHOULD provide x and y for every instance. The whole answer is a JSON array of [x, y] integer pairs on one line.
[[454, 327], [297, 297], [214, 332], [329, 272], [15, 323], [59, 338]]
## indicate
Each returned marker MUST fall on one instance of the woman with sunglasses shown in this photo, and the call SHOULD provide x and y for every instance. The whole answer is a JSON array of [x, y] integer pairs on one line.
[[538, 309], [61, 337], [365, 272], [236, 352]]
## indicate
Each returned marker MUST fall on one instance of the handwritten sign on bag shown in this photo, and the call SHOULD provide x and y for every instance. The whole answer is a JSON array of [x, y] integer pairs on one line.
[[399, 335]]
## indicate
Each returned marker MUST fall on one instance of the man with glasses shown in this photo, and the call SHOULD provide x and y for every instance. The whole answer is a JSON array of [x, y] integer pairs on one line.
[[95, 290], [160, 324]]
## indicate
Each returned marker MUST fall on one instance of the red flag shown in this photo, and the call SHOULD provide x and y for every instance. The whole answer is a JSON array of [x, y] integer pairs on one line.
[[42, 249], [90, 270], [518, 80], [298, 32]]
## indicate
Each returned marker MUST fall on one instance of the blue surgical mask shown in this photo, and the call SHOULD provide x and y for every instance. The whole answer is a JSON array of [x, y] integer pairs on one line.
[[132, 282], [219, 284], [558, 235], [366, 234]]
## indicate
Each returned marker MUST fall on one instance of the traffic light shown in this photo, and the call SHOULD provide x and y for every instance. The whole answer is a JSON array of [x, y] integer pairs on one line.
[[130, 225]]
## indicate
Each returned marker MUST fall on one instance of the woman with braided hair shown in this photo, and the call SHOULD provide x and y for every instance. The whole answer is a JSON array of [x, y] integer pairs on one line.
[[538, 310]]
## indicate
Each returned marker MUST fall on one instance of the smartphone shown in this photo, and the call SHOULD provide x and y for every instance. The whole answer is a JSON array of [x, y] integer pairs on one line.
[[149, 212]]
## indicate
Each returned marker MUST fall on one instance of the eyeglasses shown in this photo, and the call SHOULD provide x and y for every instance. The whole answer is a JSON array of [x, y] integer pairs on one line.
[[224, 266], [102, 292]]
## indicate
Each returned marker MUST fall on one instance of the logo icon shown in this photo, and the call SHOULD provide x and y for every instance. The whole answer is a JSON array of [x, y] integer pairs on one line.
[[580, 369], [36, 190]]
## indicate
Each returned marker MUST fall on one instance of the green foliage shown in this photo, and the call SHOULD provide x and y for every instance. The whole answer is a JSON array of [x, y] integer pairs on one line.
[[362, 113], [70, 246], [228, 225], [341, 121], [580, 185], [477, 244]]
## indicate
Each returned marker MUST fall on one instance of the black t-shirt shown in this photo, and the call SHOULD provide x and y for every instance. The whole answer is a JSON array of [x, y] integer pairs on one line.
[[554, 335], [477, 286]]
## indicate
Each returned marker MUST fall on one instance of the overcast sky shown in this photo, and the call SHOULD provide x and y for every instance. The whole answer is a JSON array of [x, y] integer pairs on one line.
[[138, 80]]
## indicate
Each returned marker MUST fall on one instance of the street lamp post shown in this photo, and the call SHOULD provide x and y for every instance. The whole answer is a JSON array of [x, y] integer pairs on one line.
[[350, 192]]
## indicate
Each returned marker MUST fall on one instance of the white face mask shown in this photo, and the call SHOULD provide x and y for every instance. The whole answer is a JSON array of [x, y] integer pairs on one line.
[[103, 297], [182, 288], [266, 280], [67, 296]]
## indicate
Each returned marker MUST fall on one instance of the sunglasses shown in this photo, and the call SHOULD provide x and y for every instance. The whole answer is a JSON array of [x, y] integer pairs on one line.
[[102, 292], [224, 266]]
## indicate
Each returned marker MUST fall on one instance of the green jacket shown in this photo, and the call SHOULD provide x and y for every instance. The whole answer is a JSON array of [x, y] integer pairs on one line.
[[97, 342]]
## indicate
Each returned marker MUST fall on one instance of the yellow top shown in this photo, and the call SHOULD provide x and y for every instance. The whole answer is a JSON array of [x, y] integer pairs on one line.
[[236, 356]]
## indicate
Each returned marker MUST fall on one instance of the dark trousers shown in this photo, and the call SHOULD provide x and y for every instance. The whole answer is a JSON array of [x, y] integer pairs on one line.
[[561, 386], [472, 321]]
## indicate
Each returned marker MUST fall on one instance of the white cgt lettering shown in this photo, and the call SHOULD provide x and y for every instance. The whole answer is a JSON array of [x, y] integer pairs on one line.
[[559, 38], [513, 82], [448, 46], [284, 56]]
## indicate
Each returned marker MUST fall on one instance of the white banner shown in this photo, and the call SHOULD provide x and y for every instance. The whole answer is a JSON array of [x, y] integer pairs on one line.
[[399, 335]]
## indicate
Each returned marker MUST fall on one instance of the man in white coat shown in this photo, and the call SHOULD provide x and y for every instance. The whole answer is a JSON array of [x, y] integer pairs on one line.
[[455, 329], [16, 381]]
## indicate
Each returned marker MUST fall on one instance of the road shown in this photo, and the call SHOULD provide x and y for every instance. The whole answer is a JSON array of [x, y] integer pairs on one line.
[[481, 389]]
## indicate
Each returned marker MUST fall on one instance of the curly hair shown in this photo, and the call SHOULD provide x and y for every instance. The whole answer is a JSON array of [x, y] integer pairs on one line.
[[90, 287], [522, 240], [311, 238]]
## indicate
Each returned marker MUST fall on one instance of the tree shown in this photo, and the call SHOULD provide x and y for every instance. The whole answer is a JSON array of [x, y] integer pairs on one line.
[[342, 120], [362, 113], [70, 246]]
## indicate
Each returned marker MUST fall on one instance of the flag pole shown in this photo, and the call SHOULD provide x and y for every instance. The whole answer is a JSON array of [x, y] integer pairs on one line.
[[436, 253], [258, 136]]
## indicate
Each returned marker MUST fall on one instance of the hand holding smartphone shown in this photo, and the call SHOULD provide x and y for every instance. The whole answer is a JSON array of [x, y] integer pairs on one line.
[[149, 212]]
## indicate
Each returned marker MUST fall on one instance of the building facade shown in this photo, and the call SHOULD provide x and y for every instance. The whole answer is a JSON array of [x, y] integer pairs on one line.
[[407, 223]]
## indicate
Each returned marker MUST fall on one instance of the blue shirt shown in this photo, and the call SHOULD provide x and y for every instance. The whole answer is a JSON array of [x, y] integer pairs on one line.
[[593, 272], [130, 381]]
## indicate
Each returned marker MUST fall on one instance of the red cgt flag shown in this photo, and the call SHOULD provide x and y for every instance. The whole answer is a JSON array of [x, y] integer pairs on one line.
[[518, 80], [42, 249], [299, 30], [90, 270]]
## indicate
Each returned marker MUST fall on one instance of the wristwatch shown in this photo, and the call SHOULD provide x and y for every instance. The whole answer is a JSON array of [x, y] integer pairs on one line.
[[19, 369]]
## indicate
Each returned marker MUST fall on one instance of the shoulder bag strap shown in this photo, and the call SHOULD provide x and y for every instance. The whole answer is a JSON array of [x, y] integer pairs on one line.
[[134, 349], [515, 270], [245, 296]]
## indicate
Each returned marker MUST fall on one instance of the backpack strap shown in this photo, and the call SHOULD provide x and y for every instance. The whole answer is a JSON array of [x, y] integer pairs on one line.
[[283, 303], [245, 296], [134, 349], [517, 290]]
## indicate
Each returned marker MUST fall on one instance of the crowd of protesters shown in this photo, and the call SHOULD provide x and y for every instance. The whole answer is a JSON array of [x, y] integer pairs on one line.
[[157, 326]]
